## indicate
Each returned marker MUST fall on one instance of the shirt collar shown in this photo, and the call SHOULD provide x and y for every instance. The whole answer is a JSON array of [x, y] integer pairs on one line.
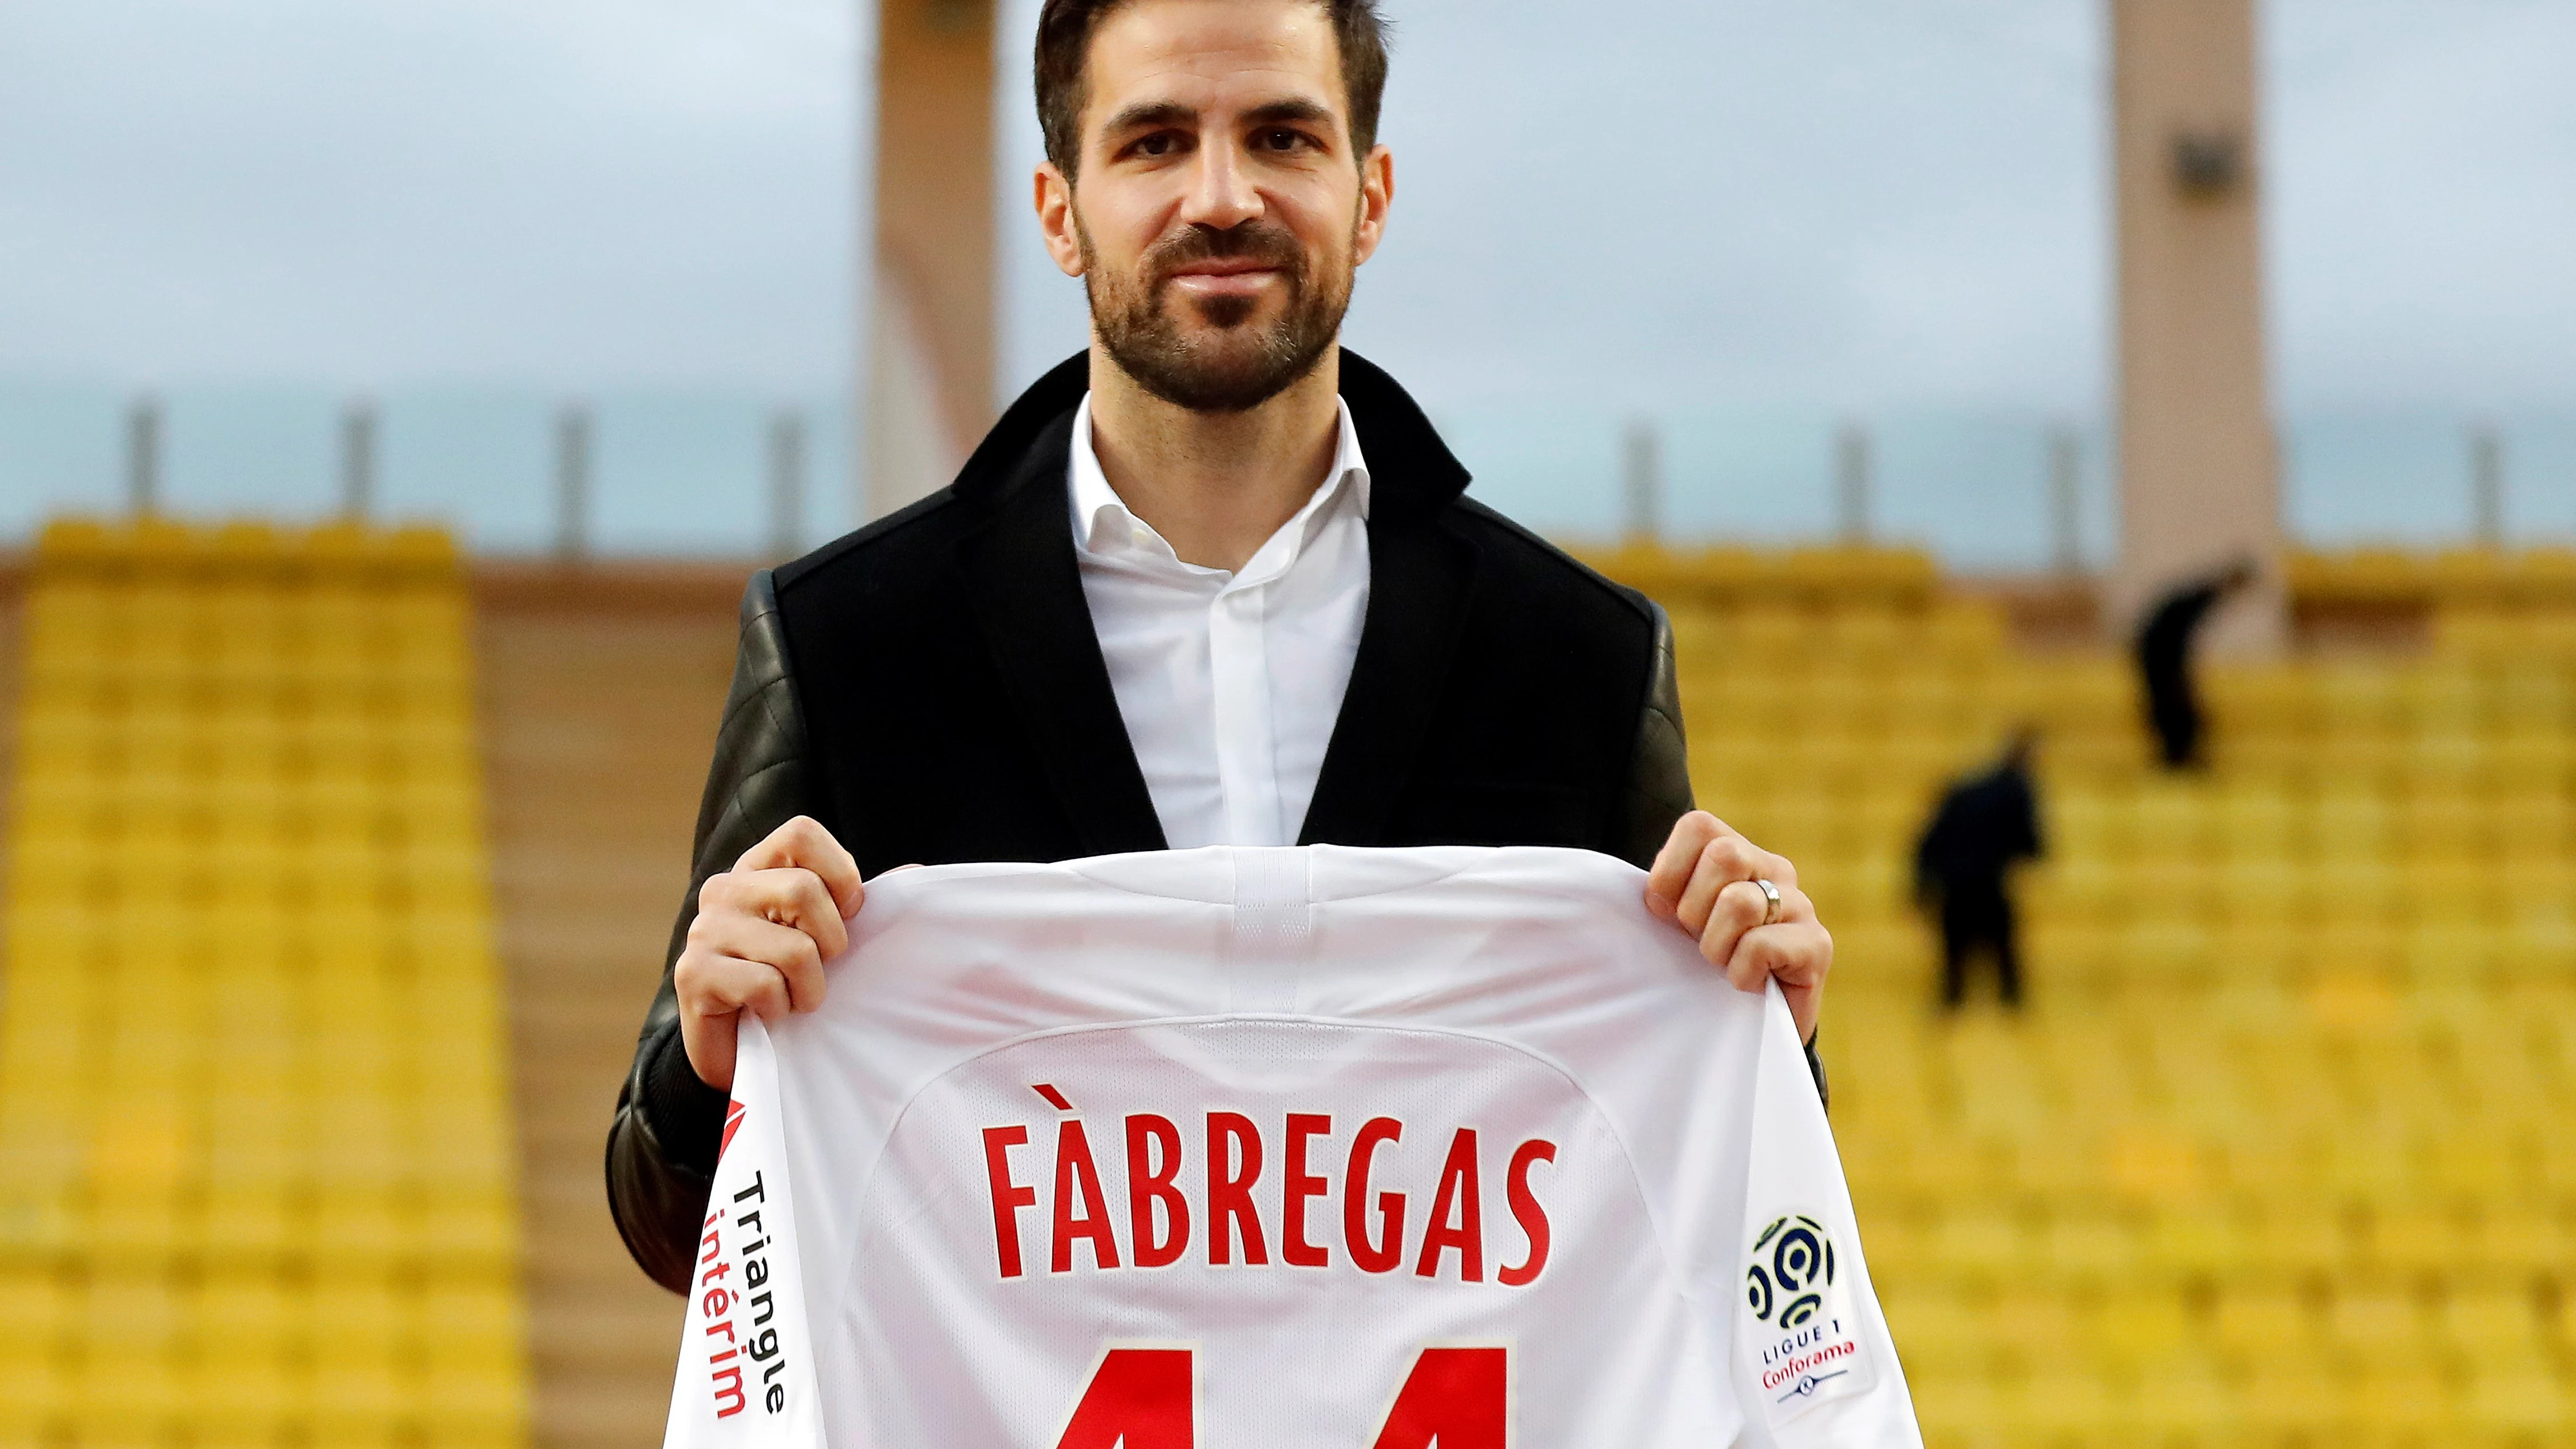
[[1096, 504]]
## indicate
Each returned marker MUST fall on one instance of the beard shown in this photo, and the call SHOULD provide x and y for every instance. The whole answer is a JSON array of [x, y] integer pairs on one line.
[[1218, 361]]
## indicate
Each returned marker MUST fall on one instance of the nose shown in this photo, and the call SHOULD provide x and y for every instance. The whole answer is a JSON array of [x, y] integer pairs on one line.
[[1221, 193]]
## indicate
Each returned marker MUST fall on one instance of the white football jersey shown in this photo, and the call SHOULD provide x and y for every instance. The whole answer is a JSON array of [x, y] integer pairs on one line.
[[1309, 1148]]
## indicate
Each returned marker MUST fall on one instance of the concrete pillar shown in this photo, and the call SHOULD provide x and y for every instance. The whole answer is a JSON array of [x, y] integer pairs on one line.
[[1852, 490], [786, 484], [143, 460], [1641, 477], [2486, 485], [2066, 498], [358, 459], [2198, 467], [928, 391], [572, 482]]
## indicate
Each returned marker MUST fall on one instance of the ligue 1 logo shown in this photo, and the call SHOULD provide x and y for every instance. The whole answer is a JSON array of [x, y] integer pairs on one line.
[[1801, 1267], [1803, 1326]]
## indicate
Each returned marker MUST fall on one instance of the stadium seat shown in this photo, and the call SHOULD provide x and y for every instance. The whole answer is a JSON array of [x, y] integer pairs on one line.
[[216, 1220], [2294, 1078]]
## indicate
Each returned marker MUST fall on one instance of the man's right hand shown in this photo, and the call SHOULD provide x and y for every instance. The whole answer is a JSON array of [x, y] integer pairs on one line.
[[764, 930]]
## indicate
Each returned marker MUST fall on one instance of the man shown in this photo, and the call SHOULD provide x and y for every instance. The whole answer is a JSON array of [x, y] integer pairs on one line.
[[1210, 582], [1986, 824], [2164, 661]]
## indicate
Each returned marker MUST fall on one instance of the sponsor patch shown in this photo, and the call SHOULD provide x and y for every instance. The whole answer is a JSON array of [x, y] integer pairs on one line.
[[1798, 1321]]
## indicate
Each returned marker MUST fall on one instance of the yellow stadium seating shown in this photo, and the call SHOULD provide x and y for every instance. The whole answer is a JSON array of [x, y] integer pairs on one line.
[[255, 1185], [2280, 1155], [2284, 1150]]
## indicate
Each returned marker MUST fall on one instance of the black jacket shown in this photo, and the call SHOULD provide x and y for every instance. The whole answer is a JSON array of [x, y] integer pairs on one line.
[[931, 690], [1986, 822]]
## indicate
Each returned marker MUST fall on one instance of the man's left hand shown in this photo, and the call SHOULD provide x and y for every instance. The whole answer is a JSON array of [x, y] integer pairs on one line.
[[1703, 881]]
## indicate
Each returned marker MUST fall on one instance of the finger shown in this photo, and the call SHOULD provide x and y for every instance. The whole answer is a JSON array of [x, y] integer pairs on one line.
[[1770, 866], [776, 849], [1738, 908], [786, 952], [1796, 949], [711, 1042], [790, 896], [804, 844], [1758, 863], [1726, 859], [1672, 868], [802, 899], [1742, 912], [1797, 953], [711, 985]]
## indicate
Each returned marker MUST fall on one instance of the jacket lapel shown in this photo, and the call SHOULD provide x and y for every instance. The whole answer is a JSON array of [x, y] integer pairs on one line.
[[1027, 593], [1421, 580]]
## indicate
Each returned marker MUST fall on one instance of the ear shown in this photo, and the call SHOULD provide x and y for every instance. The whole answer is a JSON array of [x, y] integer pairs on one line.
[[1377, 195], [1054, 195]]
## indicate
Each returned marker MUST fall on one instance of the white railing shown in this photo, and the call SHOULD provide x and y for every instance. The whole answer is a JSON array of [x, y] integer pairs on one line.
[[705, 475]]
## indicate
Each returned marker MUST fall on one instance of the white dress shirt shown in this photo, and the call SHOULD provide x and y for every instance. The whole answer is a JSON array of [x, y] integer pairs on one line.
[[1229, 682]]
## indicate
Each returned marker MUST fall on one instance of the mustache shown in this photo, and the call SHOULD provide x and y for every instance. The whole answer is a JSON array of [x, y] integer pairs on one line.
[[1253, 240]]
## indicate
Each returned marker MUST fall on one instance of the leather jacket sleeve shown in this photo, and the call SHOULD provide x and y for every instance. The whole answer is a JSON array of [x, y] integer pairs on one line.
[[662, 1143], [1658, 792]]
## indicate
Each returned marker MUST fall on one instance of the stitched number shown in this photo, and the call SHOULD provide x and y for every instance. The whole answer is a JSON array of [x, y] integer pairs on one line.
[[1455, 1397], [1139, 1398], [1142, 1398]]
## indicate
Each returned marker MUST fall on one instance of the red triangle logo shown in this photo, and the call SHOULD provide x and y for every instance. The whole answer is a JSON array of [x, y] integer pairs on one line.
[[733, 1124]]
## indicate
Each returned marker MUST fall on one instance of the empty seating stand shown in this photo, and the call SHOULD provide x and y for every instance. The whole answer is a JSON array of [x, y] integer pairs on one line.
[[255, 1166], [2284, 1151]]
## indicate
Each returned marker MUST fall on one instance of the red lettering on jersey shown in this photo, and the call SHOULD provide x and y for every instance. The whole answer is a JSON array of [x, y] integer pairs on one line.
[[1147, 1186], [1008, 1196], [1457, 1398], [1139, 1398], [1295, 1186], [728, 1385], [1388, 1251], [1231, 1139], [1528, 1212], [1147, 1398], [1458, 1187], [1074, 1173]]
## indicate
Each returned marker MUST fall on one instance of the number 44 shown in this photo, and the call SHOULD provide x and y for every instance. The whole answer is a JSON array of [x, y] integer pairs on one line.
[[1144, 1398]]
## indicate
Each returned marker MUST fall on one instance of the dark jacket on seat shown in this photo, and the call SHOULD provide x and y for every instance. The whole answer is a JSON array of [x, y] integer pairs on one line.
[[931, 690]]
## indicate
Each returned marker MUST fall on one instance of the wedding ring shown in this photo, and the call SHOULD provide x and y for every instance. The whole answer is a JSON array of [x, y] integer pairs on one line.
[[1771, 908]]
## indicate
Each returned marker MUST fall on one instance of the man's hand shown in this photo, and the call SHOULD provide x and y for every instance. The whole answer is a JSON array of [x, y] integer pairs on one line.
[[1703, 881], [764, 930]]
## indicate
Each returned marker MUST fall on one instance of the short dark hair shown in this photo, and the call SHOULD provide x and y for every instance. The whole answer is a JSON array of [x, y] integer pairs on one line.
[[1064, 53]]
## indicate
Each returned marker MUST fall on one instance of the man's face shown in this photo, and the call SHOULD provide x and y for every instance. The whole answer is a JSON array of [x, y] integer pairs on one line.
[[1219, 213]]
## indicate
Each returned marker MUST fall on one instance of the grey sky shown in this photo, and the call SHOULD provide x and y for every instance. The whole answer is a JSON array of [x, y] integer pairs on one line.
[[1824, 203]]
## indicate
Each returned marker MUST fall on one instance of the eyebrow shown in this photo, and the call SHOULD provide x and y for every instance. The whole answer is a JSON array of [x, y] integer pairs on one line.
[[1280, 113], [1150, 113], [1145, 115]]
